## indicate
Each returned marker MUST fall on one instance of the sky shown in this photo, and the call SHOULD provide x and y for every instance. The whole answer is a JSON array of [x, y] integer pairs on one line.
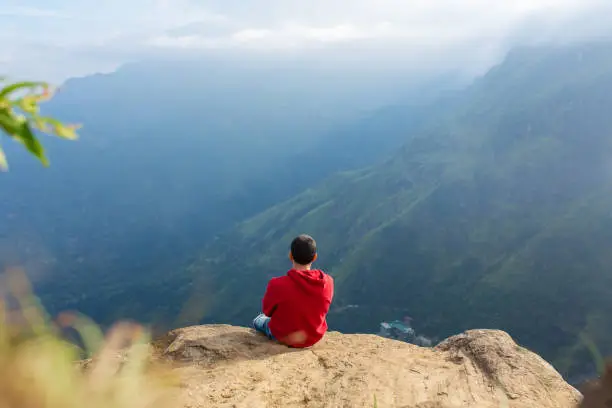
[[56, 39]]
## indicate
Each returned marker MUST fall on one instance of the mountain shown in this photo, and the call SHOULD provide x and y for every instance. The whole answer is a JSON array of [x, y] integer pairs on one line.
[[495, 213], [171, 153]]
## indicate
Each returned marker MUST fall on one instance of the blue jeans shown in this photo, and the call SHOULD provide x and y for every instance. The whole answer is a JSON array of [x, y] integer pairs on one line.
[[260, 323]]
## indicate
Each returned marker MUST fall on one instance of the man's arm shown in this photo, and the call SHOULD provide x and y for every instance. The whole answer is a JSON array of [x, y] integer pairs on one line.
[[270, 299]]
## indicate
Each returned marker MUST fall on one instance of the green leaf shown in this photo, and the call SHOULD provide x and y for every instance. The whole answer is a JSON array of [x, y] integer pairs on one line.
[[61, 130], [3, 162], [40, 124], [10, 124], [28, 104], [19, 116], [32, 144], [65, 132], [20, 85]]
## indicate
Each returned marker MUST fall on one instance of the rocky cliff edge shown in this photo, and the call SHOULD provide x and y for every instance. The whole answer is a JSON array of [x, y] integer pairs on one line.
[[226, 366]]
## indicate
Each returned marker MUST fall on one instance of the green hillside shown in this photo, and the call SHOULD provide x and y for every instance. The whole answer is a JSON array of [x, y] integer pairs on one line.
[[498, 216], [173, 151]]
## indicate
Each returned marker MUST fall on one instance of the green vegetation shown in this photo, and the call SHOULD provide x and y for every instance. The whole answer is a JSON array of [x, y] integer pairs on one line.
[[20, 117], [496, 215], [197, 144]]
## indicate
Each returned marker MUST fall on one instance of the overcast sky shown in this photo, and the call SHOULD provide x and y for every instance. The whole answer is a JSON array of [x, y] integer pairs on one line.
[[56, 39]]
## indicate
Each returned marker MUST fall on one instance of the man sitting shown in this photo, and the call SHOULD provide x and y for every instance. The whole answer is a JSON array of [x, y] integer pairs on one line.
[[295, 306]]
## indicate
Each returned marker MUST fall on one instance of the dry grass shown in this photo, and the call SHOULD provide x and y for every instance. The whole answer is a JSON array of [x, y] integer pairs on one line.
[[39, 369]]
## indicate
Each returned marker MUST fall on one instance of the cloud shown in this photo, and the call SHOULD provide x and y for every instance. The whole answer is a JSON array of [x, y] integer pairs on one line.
[[290, 35], [291, 23], [21, 11], [417, 35], [414, 31]]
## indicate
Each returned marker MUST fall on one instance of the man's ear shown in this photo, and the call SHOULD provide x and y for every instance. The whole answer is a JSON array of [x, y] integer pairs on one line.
[[290, 256], [315, 257]]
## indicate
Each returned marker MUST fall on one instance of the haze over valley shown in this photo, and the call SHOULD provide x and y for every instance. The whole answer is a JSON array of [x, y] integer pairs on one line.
[[452, 162]]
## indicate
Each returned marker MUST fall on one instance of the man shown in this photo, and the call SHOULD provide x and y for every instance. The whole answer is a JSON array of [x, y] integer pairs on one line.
[[295, 306]]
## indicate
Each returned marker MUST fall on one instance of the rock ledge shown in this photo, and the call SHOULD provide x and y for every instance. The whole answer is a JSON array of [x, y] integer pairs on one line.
[[226, 366]]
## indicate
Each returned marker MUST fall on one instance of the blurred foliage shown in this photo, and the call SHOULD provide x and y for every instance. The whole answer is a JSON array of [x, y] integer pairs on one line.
[[39, 368], [20, 118]]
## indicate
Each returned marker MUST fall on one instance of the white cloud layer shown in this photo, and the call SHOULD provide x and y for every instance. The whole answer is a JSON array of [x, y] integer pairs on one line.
[[20, 11], [58, 38]]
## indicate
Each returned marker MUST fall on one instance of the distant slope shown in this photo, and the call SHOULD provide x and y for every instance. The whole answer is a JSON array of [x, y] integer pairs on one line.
[[172, 153], [496, 215]]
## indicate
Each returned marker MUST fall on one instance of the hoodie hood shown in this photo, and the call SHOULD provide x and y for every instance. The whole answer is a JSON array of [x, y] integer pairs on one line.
[[310, 280]]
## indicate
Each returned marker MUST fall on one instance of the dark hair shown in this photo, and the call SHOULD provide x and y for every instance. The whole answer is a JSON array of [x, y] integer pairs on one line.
[[303, 249]]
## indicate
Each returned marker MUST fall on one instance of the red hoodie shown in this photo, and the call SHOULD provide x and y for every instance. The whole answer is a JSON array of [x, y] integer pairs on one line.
[[297, 304]]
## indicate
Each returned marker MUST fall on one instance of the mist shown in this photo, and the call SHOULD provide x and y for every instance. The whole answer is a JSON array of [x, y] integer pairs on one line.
[[415, 37]]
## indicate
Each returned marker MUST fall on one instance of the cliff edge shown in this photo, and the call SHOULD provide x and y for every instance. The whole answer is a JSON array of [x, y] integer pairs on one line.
[[226, 366]]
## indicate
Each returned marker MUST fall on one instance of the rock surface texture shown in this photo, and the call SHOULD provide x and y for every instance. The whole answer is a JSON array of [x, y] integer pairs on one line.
[[226, 366]]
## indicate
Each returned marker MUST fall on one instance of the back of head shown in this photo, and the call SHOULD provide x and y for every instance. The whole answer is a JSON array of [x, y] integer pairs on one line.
[[303, 249]]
